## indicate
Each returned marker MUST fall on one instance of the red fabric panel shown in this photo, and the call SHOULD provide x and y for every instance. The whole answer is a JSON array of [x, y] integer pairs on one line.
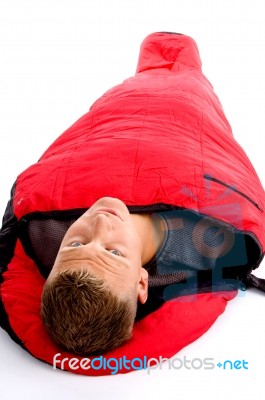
[[150, 140]]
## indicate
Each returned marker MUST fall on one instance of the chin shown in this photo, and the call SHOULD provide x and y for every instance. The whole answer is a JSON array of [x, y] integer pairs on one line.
[[112, 202]]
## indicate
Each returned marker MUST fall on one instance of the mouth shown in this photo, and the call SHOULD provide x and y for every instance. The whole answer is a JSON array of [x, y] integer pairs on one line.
[[109, 211]]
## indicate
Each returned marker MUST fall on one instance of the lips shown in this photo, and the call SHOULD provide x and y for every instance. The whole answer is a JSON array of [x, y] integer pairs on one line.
[[109, 211]]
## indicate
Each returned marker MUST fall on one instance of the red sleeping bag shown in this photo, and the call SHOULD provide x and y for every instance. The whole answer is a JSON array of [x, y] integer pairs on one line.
[[160, 139]]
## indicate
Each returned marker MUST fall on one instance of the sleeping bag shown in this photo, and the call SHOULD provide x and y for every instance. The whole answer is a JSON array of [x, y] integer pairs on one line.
[[158, 141]]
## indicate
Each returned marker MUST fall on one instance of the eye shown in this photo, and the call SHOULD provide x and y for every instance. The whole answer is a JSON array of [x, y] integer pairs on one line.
[[76, 244], [116, 252]]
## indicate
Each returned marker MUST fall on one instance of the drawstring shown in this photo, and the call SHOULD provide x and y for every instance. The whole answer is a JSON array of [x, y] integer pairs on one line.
[[252, 280]]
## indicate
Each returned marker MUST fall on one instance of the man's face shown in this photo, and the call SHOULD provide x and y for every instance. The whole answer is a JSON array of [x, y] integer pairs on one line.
[[105, 241]]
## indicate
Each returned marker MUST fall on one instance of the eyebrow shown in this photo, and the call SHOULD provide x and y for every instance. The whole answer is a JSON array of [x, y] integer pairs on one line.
[[102, 255]]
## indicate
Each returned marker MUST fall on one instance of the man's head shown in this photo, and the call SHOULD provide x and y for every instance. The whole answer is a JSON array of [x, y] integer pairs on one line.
[[90, 298]]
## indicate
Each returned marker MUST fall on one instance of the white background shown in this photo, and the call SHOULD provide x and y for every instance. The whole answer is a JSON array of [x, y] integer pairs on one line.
[[57, 57]]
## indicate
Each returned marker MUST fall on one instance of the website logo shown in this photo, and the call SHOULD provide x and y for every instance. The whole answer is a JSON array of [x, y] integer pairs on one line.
[[116, 365]]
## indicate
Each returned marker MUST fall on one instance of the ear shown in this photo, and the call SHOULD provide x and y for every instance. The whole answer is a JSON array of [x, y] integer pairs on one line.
[[143, 286]]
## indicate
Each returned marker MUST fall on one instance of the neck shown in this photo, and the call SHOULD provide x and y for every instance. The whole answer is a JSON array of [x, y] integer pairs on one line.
[[150, 234]]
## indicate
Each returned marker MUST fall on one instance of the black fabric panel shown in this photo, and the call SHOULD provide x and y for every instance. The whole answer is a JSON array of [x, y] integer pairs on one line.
[[8, 234], [171, 33], [4, 323], [210, 178]]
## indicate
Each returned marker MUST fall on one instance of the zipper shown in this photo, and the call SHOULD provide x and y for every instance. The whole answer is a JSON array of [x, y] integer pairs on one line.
[[210, 178]]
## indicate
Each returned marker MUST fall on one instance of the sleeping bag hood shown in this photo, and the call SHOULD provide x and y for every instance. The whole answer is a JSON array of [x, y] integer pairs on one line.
[[158, 141]]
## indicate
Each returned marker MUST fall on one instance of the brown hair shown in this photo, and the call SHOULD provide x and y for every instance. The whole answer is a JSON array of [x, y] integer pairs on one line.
[[83, 316]]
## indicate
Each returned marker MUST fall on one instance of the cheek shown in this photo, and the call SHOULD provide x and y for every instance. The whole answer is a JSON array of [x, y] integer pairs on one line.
[[134, 249], [132, 238], [76, 228]]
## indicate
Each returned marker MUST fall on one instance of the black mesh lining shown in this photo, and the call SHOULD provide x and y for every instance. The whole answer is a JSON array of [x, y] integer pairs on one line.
[[45, 250], [194, 243], [41, 235], [164, 286]]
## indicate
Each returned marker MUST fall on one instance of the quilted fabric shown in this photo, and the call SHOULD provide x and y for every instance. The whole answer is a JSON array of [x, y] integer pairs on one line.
[[160, 137]]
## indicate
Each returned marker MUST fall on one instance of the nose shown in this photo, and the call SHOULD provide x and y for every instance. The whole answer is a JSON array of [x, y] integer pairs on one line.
[[100, 227]]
